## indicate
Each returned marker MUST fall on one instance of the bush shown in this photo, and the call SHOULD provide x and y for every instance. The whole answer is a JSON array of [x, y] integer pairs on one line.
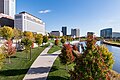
[[63, 40], [2, 57], [39, 39], [94, 64], [75, 48], [45, 39], [66, 56], [57, 42]]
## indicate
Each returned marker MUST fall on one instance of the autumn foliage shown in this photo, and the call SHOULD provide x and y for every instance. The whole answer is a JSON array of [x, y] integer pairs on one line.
[[94, 64], [9, 49], [66, 56], [56, 42]]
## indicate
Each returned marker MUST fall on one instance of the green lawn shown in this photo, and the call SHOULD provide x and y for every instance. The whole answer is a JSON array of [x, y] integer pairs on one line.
[[58, 72], [54, 49], [20, 65]]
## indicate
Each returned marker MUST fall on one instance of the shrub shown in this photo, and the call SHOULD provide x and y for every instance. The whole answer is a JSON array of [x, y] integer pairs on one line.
[[94, 64], [66, 56], [45, 39], [75, 48], [57, 42], [39, 39], [2, 57], [63, 40]]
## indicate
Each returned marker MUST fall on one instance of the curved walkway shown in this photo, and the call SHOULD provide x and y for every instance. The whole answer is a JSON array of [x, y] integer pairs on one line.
[[42, 65]]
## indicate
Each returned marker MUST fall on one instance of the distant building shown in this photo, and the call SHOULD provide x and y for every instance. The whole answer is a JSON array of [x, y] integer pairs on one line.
[[75, 32], [64, 31], [90, 33], [8, 7], [56, 33], [27, 22], [116, 34], [106, 33]]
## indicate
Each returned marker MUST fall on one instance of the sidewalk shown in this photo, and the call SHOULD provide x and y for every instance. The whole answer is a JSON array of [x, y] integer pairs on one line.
[[41, 66]]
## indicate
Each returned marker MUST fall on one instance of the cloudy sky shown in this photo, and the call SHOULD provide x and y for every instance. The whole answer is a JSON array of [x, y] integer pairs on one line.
[[88, 15]]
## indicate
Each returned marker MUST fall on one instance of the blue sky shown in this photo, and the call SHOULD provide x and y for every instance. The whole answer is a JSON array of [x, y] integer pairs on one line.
[[87, 15]]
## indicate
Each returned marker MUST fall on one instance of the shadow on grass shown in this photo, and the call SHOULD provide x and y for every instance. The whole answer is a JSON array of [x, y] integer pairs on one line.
[[50, 78], [13, 72], [54, 68]]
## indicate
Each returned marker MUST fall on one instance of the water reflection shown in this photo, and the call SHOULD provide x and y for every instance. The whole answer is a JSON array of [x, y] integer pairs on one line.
[[116, 54]]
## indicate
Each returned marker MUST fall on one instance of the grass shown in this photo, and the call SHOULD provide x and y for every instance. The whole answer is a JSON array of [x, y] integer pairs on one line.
[[115, 42], [58, 71], [20, 65], [54, 49]]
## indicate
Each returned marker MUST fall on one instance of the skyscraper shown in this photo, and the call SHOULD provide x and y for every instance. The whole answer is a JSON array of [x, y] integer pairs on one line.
[[75, 32], [64, 31], [8, 7]]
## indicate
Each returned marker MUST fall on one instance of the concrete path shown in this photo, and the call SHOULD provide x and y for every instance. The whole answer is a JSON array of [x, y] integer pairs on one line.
[[41, 66]]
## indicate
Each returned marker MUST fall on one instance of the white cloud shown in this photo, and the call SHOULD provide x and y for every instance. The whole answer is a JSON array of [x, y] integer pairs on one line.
[[44, 11]]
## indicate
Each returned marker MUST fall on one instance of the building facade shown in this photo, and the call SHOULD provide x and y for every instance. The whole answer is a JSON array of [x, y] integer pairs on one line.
[[75, 32], [8, 7], [56, 33], [64, 31], [116, 34], [27, 22], [106, 33]]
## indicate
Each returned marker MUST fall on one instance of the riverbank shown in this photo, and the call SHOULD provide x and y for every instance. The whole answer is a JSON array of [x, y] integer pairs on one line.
[[111, 43]]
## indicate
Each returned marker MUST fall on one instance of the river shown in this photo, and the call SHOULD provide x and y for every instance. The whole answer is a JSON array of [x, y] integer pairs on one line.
[[116, 53]]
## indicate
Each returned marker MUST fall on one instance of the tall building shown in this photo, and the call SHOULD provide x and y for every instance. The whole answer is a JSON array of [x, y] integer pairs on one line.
[[75, 32], [106, 33], [8, 7], [27, 22], [64, 31]]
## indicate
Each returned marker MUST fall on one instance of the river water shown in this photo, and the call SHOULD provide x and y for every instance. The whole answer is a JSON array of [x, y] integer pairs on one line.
[[116, 53]]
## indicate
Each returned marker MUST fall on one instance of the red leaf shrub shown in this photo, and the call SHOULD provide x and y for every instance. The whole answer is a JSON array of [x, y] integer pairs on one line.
[[56, 42], [66, 56], [75, 48]]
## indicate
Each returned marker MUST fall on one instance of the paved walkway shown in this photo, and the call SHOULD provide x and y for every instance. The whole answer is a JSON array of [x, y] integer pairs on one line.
[[41, 66]]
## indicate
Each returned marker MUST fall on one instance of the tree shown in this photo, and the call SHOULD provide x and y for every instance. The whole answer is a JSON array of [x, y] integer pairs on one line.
[[39, 39], [28, 34], [16, 37], [9, 49], [27, 43], [63, 40], [7, 32], [45, 39]]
